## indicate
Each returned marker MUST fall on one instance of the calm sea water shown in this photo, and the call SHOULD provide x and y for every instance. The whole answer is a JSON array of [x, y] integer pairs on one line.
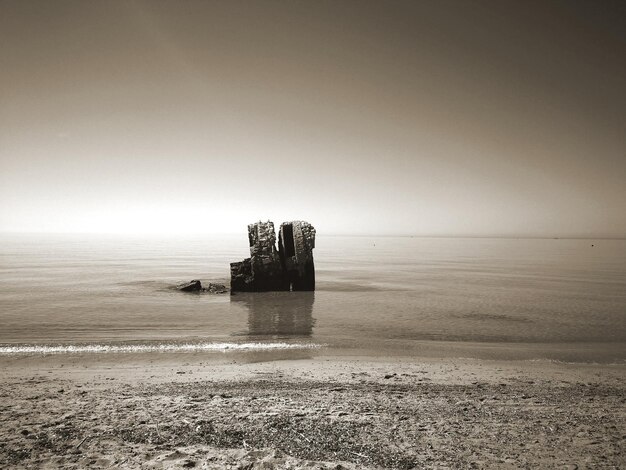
[[498, 298]]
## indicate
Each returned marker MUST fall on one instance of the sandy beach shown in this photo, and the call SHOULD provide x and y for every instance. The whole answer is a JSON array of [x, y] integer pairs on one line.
[[182, 411]]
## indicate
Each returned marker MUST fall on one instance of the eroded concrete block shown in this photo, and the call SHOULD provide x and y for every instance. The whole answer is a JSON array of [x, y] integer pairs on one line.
[[296, 241], [290, 267]]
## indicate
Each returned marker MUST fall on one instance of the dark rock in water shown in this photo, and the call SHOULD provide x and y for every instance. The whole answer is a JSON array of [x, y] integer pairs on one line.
[[191, 286], [268, 269], [196, 286], [216, 288], [241, 279], [296, 241], [263, 271]]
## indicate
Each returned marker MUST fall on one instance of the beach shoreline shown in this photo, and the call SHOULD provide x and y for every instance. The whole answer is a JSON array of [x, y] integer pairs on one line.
[[235, 411]]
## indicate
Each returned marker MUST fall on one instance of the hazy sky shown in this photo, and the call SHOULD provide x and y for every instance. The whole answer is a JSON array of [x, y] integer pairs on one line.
[[418, 117]]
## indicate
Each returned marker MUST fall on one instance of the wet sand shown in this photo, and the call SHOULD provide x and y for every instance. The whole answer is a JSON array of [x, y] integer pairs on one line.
[[182, 411]]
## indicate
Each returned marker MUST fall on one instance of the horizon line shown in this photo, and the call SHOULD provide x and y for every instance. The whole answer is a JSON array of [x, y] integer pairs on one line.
[[329, 234]]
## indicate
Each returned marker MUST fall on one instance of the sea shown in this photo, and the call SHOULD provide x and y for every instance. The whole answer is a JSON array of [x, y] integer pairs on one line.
[[524, 299]]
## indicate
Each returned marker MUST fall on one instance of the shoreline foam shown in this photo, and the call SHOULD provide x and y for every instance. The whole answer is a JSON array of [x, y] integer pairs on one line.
[[148, 348]]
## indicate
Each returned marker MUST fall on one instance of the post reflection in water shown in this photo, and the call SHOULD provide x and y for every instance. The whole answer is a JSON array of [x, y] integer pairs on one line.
[[278, 313]]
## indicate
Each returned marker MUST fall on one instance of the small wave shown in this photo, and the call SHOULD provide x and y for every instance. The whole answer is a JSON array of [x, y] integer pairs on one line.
[[161, 347], [618, 362]]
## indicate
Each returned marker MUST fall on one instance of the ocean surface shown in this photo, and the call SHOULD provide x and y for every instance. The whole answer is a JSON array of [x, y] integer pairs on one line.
[[528, 299]]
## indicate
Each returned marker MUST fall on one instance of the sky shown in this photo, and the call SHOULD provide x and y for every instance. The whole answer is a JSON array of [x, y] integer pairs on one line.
[[426, 118]]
